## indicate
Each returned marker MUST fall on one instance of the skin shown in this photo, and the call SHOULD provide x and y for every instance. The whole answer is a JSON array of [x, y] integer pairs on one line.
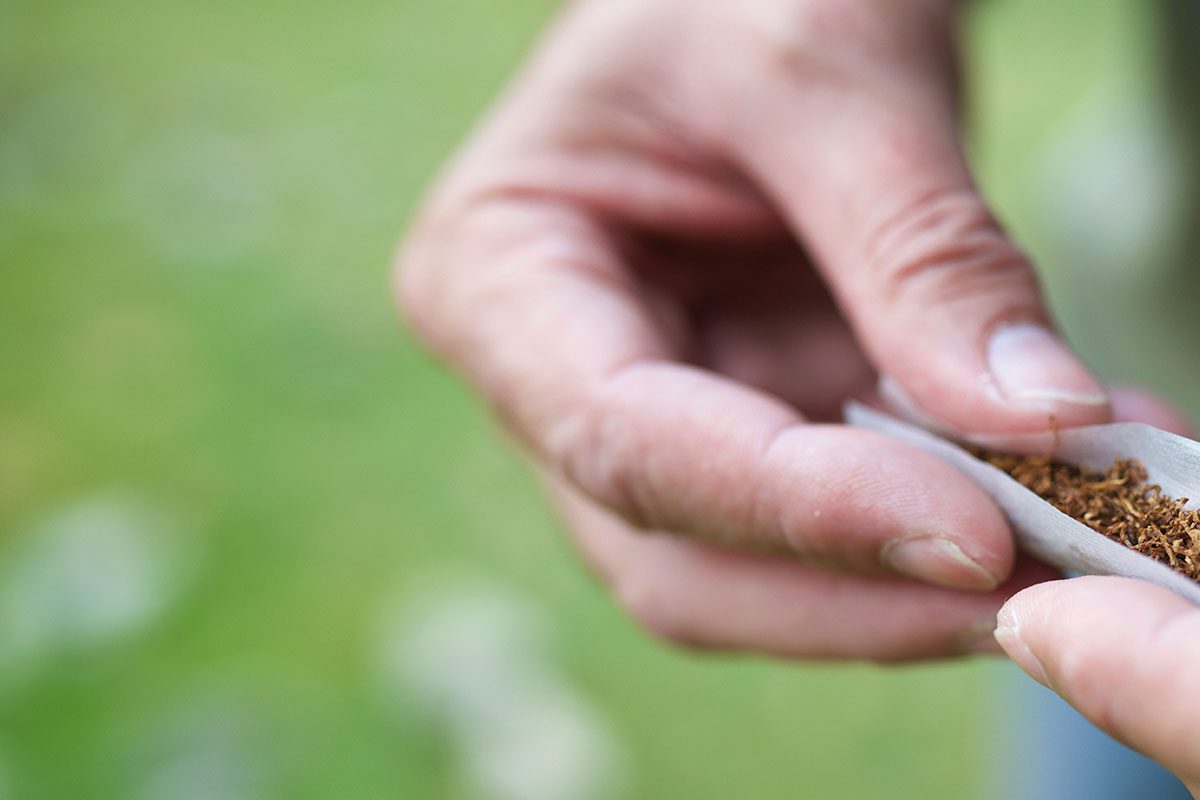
[[686, 234], [1120, 651]]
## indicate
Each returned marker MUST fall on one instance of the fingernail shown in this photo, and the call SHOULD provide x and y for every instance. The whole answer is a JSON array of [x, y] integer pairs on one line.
[[937, 560], [1009, 637], [1029, 363]]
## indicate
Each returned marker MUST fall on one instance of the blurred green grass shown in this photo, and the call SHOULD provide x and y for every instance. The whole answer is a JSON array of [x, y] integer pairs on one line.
[[197, 207]]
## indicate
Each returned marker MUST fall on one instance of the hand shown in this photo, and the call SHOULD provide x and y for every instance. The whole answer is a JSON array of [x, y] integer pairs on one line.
[[1123, 652], [689, 231]]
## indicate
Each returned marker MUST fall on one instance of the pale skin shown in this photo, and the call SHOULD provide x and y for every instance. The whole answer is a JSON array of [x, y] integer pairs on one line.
[[685, 235]]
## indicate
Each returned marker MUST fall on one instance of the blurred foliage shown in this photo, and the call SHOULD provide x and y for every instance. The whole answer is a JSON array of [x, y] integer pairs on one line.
[[198, 202]]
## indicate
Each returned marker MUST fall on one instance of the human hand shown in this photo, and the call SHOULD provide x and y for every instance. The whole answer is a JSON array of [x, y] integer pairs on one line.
[[1122, 652], [688, 232]]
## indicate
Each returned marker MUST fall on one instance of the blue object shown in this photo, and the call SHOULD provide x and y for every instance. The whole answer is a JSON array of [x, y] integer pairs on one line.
[[1048, 751]]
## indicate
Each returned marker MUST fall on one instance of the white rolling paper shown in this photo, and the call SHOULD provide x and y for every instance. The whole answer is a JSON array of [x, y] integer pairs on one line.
[[1171, 461]]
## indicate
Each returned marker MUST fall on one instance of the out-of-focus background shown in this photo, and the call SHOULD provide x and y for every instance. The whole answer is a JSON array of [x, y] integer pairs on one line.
[[255, 545]]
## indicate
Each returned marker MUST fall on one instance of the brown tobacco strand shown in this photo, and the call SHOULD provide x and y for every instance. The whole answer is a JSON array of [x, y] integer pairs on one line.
[[1118, 503]]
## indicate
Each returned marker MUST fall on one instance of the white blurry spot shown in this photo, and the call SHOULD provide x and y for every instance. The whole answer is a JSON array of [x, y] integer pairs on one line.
[[472, 656], [201, 197], [208, 752], [1108, 184], [85, 575], [327, 155]]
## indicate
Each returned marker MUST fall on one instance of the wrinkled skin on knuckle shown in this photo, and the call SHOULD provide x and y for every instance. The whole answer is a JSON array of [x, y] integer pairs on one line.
[[799, 44], [989, 274], [462, 256], [600, 452], [429, 282], [945, 249]]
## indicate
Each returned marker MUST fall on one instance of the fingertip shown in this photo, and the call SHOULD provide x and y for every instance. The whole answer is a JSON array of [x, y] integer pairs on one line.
[[1086, 614], [1010, 640], [1017, 610], [1119, 650], [960, 408], [1020, 630], [1031, 367], [1054, 600]]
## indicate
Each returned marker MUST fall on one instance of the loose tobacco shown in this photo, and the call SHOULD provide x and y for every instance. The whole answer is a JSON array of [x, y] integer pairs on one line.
[[1118, 503]]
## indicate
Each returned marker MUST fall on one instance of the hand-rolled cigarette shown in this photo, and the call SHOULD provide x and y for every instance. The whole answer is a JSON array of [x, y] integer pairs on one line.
[[1130, 458]]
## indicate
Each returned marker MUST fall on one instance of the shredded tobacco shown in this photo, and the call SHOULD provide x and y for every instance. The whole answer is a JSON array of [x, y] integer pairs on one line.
[[1118, 503]]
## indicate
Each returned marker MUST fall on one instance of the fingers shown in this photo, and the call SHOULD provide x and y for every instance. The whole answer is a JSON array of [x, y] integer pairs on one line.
[[679, 449], [569, 352], [1123, 652], [697, 595], [865, 159]]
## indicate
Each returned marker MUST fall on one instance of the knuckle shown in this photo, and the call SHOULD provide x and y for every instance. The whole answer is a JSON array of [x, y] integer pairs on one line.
[[784, 454], [831, 36], [824, 528], [419, 278], [811, 24], [600, 458], [946, 248], [795, 37], [602, 449], [438, 276]]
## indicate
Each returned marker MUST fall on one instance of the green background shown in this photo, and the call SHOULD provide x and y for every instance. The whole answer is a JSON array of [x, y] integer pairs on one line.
[[198, 203]]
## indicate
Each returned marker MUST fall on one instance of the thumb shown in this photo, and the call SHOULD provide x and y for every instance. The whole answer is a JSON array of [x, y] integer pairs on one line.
[[1122, 652], [944, 303]]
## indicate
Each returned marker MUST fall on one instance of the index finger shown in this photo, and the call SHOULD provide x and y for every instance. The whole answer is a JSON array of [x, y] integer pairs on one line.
[[534, 304]]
